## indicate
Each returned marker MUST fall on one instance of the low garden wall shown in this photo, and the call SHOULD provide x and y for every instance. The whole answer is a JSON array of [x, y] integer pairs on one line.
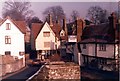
[[9, 64]]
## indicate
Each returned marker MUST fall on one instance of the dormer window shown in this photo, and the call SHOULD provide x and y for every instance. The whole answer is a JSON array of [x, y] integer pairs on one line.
[[62, 33], [8, 26]]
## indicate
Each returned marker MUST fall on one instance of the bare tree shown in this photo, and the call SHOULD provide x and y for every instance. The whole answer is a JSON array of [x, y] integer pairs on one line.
[[17, 10], [74, 15], [56, 12], [97, 15]]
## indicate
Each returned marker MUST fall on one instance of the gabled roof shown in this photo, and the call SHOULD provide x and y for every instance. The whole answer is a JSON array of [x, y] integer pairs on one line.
[[21, 25]]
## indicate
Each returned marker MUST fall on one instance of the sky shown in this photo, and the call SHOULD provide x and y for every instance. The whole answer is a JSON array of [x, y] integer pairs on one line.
[[68, 7]]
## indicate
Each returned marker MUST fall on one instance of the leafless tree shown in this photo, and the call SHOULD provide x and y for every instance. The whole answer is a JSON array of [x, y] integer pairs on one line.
[[74, 15], [97, 15], [17, 10], [56, 12]]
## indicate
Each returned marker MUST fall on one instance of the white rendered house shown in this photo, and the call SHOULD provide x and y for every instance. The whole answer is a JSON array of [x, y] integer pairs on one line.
[[12, 38], [44, 39]]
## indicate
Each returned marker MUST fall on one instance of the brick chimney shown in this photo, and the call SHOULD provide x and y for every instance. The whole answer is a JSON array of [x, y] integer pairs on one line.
[[65, 26], [112, 23], [50, 20], [80, 26], [112, 20]]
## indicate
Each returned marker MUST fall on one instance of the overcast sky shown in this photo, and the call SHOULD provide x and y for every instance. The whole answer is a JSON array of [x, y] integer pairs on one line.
[[68, 7]]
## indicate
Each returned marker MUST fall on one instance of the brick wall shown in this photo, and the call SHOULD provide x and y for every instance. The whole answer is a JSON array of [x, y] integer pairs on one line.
[[9, 64]]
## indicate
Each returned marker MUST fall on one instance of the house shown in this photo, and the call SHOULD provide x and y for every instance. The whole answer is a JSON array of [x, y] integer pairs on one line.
[[45, 39], [98, 46], [12, 38]]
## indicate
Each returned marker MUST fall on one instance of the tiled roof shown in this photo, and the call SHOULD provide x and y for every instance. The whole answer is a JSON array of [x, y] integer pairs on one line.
[[21, 25], [36, 28], [101, 32], [56, 29], [92, 40]]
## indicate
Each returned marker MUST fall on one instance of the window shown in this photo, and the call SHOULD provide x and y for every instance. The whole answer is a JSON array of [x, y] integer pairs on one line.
[[46, 34], [46, 44], [8, 26], [21, 53], [7, 53], [84, 46], [102, 47], [7, 40]]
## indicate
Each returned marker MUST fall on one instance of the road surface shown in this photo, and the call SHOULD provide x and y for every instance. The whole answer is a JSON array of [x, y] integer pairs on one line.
[[23, 75]]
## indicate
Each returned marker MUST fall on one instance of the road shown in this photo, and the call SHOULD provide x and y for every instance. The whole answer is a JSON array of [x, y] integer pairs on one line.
[[23, 75]]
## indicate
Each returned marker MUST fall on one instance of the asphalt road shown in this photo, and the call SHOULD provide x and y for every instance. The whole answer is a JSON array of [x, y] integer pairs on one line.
[[23, 75]]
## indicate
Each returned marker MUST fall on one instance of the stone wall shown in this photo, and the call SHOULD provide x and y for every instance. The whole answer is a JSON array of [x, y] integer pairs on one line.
[[9, 64], [59, 70]]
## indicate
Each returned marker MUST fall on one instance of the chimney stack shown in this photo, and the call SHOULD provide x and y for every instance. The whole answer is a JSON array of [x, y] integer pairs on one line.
[[80, 25], [112, 24], [65, 26], [112, 20], [50, 20]]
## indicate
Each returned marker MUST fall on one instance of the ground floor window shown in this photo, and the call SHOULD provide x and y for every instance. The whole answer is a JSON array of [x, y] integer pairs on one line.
[[46, 44], [7, 53], [21, 53]]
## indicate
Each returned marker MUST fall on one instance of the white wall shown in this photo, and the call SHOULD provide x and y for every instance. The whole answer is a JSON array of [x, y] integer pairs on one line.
[[90, 50], [39, 42], [17, 40], [109, 53]]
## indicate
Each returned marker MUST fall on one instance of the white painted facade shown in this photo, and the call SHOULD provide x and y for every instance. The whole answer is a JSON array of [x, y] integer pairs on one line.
[[90, 50], [17, 39], [39, 42]]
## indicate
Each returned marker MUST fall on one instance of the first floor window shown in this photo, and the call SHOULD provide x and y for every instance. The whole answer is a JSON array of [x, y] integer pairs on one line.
[[46, 34], [7, 53], [102, 47], [47, 44], [84, 46], [7, 40]]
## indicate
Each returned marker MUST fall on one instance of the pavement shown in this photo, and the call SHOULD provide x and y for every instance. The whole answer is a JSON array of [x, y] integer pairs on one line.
[[11, 74], [22, 75]]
